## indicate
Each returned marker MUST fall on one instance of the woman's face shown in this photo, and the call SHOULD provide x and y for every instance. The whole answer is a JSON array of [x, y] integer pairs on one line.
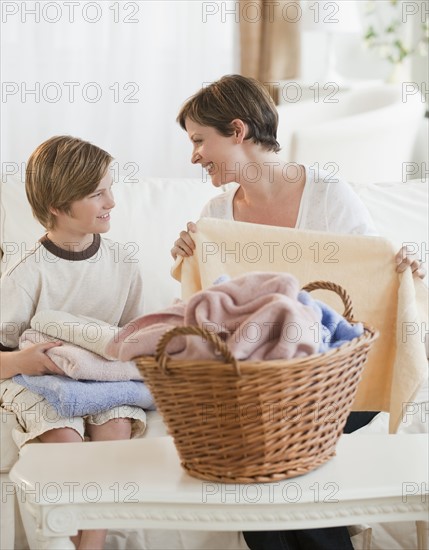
[[215, 152]]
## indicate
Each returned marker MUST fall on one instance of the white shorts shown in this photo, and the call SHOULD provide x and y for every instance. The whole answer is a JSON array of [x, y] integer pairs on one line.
[[36, 416]]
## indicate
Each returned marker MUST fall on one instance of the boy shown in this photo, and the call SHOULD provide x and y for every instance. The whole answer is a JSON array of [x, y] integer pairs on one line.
[[71, 269]]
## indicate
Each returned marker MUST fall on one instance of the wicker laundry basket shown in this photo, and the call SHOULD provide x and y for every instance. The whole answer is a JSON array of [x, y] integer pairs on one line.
[[256, 421]]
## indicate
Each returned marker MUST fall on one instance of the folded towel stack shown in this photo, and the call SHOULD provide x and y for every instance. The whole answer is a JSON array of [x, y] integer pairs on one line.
[[81, 364], [91, 383], [86, 332]]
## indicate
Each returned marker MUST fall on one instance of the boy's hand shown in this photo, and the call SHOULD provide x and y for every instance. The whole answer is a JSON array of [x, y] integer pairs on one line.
[[184, 246], [405, 258], [34, 361]]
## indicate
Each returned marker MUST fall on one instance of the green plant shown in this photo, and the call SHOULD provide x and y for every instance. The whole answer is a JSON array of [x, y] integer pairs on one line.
[[387, 31]]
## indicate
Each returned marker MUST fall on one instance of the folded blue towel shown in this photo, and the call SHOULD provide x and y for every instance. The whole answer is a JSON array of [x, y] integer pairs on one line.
[[77, 398], [335, 329]]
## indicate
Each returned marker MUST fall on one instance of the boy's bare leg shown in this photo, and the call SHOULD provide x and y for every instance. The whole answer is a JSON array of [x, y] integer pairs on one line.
[[61, 435], [92, 540], [112, 430]]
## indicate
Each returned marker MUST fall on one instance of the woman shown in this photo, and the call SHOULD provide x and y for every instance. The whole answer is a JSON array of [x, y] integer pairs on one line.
[[232, 125]]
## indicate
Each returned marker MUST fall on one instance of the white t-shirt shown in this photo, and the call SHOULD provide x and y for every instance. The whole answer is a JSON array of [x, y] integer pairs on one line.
[[102, 282], [327, 204]]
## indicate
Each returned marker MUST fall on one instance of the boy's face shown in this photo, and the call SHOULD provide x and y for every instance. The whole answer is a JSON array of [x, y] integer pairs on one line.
[[90, 214]]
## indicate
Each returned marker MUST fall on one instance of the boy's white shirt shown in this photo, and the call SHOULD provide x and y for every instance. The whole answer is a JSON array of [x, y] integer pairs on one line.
[[107, 287]]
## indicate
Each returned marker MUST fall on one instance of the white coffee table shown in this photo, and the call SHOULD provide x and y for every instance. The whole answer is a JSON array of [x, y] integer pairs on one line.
[[140, 483]]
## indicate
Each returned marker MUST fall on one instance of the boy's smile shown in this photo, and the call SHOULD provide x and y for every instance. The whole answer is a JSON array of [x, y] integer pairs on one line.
[[75, 230]]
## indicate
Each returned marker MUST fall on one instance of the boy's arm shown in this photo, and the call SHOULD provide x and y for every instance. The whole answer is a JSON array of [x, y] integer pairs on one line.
[[18, 308], [32, 361]]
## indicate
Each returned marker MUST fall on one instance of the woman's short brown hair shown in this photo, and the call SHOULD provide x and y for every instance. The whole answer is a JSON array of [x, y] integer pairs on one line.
[[62, 170], [235, 96]]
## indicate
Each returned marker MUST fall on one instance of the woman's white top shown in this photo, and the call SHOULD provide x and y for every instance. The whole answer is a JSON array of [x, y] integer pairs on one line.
[[327, 204]]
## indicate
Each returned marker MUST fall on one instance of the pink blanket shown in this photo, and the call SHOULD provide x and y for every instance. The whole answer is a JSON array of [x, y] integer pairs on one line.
[[81, 364], [141, 336], [258, 315]]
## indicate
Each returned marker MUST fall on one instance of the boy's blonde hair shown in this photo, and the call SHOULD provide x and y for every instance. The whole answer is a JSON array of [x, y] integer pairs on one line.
[[62, 170]]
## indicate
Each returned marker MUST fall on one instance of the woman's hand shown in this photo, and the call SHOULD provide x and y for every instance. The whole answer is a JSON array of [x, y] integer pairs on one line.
[[405, 258], [32, 361], [184, 246]]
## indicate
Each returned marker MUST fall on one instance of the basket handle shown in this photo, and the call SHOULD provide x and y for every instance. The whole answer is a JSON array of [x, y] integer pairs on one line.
[[342, 293], [161, 356]]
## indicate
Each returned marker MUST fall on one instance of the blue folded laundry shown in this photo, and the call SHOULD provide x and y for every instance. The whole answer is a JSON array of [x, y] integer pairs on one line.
[[78, 398], [335, 329]]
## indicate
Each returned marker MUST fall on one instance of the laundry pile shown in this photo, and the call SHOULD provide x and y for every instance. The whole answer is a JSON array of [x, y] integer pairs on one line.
[[260, 316]]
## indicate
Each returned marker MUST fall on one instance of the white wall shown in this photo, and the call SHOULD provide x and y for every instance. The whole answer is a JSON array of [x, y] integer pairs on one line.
[[354, 59], [156, 53], [114, 73]]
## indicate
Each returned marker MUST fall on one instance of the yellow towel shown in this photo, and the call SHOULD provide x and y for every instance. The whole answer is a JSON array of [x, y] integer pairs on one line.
[[364, 266]]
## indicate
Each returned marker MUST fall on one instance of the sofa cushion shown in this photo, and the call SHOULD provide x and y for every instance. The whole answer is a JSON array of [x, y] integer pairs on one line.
[[400, 212], [367, 133]]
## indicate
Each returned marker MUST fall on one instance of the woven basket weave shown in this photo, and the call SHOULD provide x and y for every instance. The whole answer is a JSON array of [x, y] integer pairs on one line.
[[256, 421]]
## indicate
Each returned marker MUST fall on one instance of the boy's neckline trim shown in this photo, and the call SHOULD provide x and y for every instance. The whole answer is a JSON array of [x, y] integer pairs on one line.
[[70, 255]]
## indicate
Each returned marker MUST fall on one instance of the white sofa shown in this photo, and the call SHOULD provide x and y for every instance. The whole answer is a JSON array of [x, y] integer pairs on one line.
[[365, 134], [149, 215]]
